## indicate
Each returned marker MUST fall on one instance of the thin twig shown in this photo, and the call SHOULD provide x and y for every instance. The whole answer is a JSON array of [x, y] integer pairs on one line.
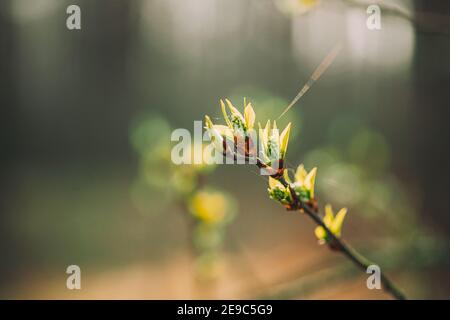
[[339, 244], [336, 243], [359, 260]]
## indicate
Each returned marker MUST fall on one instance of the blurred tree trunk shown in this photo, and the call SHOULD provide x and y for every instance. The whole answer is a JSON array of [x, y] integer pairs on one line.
[[429, 145], [429, 148], [10, 141]]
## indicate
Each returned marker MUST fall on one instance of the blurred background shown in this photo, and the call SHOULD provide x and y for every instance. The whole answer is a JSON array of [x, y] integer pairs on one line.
[[86, 177]]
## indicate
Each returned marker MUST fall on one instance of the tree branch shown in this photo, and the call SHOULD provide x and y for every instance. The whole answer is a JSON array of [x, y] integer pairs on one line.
[[339, 244]]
